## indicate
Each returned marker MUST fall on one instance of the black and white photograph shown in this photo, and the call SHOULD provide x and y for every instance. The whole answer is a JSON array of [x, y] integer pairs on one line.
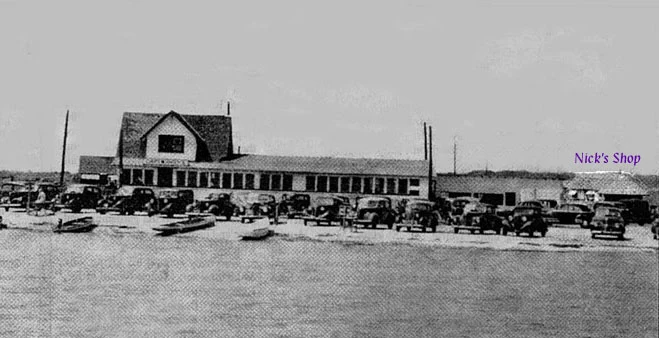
[[394, 168]]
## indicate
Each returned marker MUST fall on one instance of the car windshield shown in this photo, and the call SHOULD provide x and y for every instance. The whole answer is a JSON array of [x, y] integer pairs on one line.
[[372, 203], [523, 212], [125, 191], [12, 187], [300, 198], [216, 196], [266, 198], [325, 201], [74, 189], [606, 212], [419, 206], [167, 194]]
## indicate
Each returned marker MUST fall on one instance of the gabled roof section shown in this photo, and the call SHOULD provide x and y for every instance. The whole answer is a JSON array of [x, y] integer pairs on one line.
[[213, 132]]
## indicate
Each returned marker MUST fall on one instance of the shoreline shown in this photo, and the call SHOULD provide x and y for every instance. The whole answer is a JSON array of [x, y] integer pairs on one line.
[[562, 238]]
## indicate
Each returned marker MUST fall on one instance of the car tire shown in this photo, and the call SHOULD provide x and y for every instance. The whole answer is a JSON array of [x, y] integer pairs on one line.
[[592, 236], [472, 231], [434, 229], [480, 231], [498, 231], [397, 229], [517, 233], [456, 230], [621, 237], [423, 229], [543, 233], [228, 216]]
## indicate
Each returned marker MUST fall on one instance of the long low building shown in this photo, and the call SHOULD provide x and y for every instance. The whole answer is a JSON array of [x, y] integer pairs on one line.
[[196, 151]]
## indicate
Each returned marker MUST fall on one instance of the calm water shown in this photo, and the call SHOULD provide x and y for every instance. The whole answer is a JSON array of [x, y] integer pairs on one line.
[[109, 285]]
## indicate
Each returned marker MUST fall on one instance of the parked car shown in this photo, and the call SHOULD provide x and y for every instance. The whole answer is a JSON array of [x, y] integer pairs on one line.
[[129, 200], [295, 205], [79, 196], [619, 205], [481, 219], [26, 193], [216, 204], [9, 187], [375, 210], [458, 214], [174, 201], [419, 214], [528, 220], [548, 207], [608, 222], [639, 211], [330, 208], [260, 205], [574, 213]]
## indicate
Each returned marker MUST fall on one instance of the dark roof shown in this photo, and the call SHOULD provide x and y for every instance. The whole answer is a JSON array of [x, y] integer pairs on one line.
[[615, 183], [330, 165], [214, 132], [96, 165]]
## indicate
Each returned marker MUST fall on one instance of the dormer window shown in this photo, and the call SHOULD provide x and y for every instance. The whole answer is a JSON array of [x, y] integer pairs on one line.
[[170, 144]]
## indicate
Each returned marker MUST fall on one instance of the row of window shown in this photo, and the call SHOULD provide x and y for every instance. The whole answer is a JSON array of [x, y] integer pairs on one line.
[[363, 185], [276, 182]]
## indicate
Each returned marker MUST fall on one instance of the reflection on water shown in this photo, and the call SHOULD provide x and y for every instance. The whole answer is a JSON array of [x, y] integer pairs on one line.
[[106, 284]]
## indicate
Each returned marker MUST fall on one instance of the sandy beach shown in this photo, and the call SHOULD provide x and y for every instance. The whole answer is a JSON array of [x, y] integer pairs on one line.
[[559, 237]]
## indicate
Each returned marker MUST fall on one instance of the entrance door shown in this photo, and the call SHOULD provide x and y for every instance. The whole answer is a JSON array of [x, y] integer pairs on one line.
[[165, 177]]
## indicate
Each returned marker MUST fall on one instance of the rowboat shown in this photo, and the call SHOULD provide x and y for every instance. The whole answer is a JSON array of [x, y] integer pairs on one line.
[[84, 224], [257, 234], [191, 224]]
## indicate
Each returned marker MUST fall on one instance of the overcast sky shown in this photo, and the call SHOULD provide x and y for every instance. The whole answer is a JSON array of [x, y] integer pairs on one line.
[[519, 84]]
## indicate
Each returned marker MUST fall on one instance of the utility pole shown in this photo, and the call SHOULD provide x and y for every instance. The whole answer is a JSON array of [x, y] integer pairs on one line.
[[66, 130], [121, 155], [425, 142], [455, 151], [431, 187]]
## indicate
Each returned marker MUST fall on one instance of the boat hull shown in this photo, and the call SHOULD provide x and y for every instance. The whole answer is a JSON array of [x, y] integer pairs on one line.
[[185, 226]]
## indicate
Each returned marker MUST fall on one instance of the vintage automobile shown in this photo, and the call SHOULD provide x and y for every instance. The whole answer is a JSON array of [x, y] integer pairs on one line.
[[173, 201], [373, 211], [526, 219], [548, 207], [458, 214], [79, 196], [481, 219], [26, 193], [259, 205], [9, 187], [619, 205], [574, 213], [418, 214], [639, 211], [216, 204], [328, 209], [129, 200], [295, 205], [607, 222]]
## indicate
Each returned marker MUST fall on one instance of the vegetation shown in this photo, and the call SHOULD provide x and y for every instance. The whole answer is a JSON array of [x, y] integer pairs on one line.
[[52, 176], [518, 174]]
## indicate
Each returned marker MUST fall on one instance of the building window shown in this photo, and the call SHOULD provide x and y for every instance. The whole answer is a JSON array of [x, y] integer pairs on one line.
[[203, 179], [414, 193], [322, 184], [264, 182], [192, 178], [334, 184], [379, 185], [125, 176], [391, 186], [311, 183], [345, 184], [414, 187], [368, 185], [170, 144], [510, 198], [414, 182], [402, 186], [137, 177], [249, 181], [148, 177], [226, 181], [288, 183], [215, 180], [276, 182], [180, 178], [237, 181], [356, 185]]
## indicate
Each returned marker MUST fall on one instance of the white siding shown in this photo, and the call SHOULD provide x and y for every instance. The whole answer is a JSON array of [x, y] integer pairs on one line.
[[171, 126]]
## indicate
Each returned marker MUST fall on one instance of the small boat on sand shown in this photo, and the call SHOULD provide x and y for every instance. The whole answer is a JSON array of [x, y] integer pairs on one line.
[[190, 224], [83, 224], [257, 234]]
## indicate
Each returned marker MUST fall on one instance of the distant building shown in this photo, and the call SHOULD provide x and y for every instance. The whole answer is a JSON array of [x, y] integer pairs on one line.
[[96, 169], [506, 191], [196, 151], [612, 186]]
